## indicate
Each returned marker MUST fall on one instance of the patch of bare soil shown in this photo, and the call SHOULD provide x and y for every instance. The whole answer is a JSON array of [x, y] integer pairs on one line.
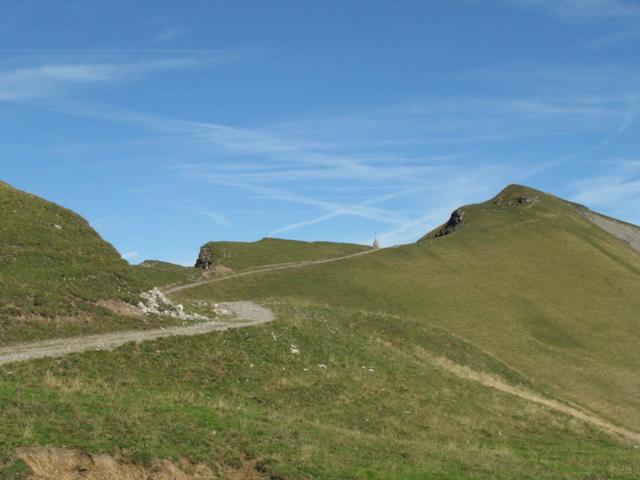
[[66, 464], [222, 270], [120, 308]]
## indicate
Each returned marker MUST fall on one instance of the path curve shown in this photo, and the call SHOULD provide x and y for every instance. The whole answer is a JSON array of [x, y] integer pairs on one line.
[[244, 314], [283, 266]]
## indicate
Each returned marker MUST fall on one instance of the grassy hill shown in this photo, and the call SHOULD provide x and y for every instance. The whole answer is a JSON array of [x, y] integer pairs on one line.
[[526, 293], [537, 285], [271, 251], [54, 268]]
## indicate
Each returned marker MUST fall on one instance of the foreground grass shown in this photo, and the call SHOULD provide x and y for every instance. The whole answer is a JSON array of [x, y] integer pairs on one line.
[[378, 409]]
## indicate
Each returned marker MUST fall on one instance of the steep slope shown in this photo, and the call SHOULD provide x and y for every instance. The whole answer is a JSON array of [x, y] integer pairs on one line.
[[53, 265], [270, 251], [530, 281]]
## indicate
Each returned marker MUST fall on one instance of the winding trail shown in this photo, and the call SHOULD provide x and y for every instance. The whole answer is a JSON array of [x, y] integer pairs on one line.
[[243, 315], [270, 268], [497, 383]]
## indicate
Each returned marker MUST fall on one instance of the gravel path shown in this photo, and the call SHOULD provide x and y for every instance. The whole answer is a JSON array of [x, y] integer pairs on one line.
[[244, 314]]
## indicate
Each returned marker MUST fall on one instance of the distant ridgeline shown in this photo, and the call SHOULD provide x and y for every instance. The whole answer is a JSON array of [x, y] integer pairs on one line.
[[269, 251]]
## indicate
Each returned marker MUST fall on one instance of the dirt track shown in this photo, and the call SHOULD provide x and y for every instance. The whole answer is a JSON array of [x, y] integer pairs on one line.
[[245, 314], [531, 396]]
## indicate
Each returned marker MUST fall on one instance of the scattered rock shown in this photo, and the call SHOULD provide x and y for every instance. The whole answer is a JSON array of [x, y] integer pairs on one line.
[[154, 302], [294, 350], [455, 222]]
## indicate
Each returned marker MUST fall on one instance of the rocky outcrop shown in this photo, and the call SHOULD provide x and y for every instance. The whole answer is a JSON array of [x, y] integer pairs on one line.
[[206, 261], [455, 222], [519, 200], [154, 302]]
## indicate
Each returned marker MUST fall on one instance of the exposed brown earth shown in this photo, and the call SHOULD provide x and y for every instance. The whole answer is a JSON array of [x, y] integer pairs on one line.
[[65, 464], [120, 308]]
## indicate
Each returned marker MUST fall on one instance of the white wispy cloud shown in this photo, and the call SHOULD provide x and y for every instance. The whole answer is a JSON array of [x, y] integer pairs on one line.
[[398, 147], [616, 37], [615, 190], [217, 217], [130, 255], [52, 80], [621, 15], [583, 10], [350, 210], [299, 158]]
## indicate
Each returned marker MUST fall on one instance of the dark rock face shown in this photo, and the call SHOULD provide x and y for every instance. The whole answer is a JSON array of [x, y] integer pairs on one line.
[[455, 222], [524, 200], [205, 259]]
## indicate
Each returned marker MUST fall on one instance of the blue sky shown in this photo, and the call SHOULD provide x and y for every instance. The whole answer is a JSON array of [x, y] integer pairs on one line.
[[167, 124]]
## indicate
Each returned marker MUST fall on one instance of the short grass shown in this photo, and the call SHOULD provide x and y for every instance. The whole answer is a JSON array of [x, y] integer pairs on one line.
[[52, 263], [161, 274], [534, 293], [54, 268], [380, 408], [270, 251], [537, 286]]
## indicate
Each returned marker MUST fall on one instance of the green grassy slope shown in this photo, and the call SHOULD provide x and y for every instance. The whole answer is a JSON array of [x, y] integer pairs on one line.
[[160, 274], [54, 266], [534, 294], [536, 285], [362, 399], [270, 251]]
